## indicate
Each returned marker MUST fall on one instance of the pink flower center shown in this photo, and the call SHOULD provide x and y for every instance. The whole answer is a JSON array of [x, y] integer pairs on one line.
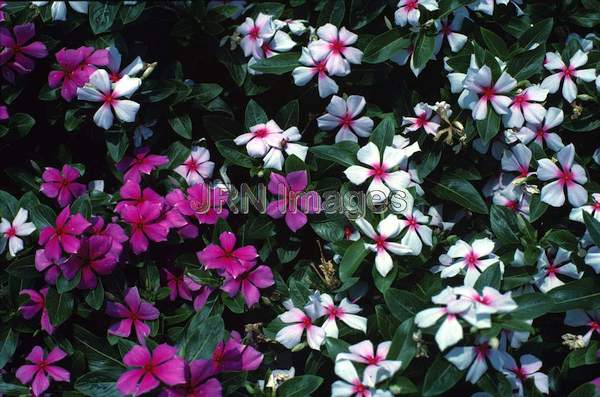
[[336, 46], [568, 71], [320, 66], [373, 360], [483, 299], [472, 259], [596, 206], [551, 269], [488, 93], [108, 98], [541, 133], [421, 120], [378, 171], [380, 242], [565, 177], [306, 322], [520, 99], [594, 325], [11, 232], [347, 120], [446, 28], [191, 165], [254, 32], [523, 170], [411, 5], [412, 223], [335, 312], [512, 205], [261, 133], [359, 388], [520, 373], [148, 367], [347, 232], [114, 77], [482, 350]]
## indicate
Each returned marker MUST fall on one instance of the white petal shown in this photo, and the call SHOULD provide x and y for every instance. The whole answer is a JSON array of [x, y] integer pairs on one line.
[[449, 333], [101, 81], [126, 110], [126, 86], [290, 336], [104, 117], [369, 155]]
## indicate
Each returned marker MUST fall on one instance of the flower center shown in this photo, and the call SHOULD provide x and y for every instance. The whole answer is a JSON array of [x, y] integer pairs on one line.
[[320, 66], [306, 322], [523, 170], [596, 206], [446, 29], [261, 133], [512, 205], [520, 99], [11, 232], [594, 325], [489, 93], [347, 232], [482, 350], [335, 312], [519, 373], [483, 299], [551, 269], [378, 171], [540, 132], [373, 360], [114, 77], [191, 165], [566, 177], [568, 71], [347, 120], [108, 98], [471, 259], [412, 5], [254, 32], [359, 388], [412, 223], [421, 120], [380, 242], [336, 46]]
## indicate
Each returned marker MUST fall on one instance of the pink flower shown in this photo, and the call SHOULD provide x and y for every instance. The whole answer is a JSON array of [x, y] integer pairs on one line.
[[163, 365], [425, 119], [233, 356], [63, 237], [261, 138], [540, 132], [113, 231], [198, 382], [197, 167], [345, 312], [93, 258], [481, 92], [517, 159], [207, 203], [249, 282], [133, 313], [13, 231], [77, 66], [293, 202], [517, 374], [38, 302], [62, 184], [344, 114], [254, 33], [334, 47], [185, 287], [16, 54], [141, 163], [408, 11], [226, 258], [51, 267], [567, 74], [475, 358], [145, 224], [291, 335], [132, 194], [41, 369], [570, 176], [304, 74], [4, 113]]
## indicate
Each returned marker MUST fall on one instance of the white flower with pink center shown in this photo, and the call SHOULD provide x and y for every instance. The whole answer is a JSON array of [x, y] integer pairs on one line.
[[351, 384], [279, 43], [418, 231], [12, 231], [254, 33], [488, 302], [260, 139], [473, 259], [487, 6], [304, 74], [517, 374], [344, 113], [548, 270], [375, 361], [517, 159], [452, 308], [345, 312], [482, 91], [570, 176], [540, 132], [197, 167], [334, 47], [291, 335], [450, 31], [513, 198], [408, 11], [584, 318], [476, 357], [383, 178], [426, 119], [566, 73], [100, 89], [524, 107], [387, 229], [593, 209], [275, 159]]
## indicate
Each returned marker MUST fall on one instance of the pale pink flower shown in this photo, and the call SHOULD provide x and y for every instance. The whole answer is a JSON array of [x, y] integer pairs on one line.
[[290, 335], [344, 113], [474, 259], [408, 11], [476, 358], [254, 33], [426, 119], [540, 132], [418, 231], [517, 374], [261, 138], [548, 269], [570, 176], [311, 68], [566, 73], [482, 91], [524, 107], [345, 312], [197, 167], [334, 47], [375, 360], [584, 318]]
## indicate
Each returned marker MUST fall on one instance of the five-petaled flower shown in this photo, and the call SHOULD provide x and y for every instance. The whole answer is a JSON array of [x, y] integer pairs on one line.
[[38, 303], [13, 231], [408, 11], [375, 360], [482, 91], [570, 176], [226, 257], [63, 236], [344, 114], [334, 47], [197, 167], [61, 184], [16, 55], [474, 259], [42, 368], [133, 313], [567, 73]]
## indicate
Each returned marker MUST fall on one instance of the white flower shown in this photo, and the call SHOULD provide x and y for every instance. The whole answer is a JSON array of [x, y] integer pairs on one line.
[[99, 89], [274, 158], [114, 65], [426, 119], [450, 331], [255, 33], [540, 131], [517, 159], [261, 138], [58, 9], [345, 311], [516, 374], [304, 74], [593, 209], [18, 228], [449, 31], [384, 180], [476, 357], [513, 198], [417, 231], [291, 335], [462, 256], [490, 301], [569, 176], [351, 385], [197, 167], [376, 361], [524, 108], [296, 26], [482, 91], [487, 6], [344, 113], [333, 46], [566, 74], [546, 278], [582, 318], [387, 229], [408, 11]]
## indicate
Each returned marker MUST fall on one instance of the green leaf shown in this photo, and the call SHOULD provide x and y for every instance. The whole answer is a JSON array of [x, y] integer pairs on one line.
[[102, 15], [403, 347], [42, 216], [235, 304], [177, 152], [60, 306], [333, 12], [95, 298], [440, 377], [8, 345], [65, 285], [220, 127], [99, 354], [593, 227], [383, 135], [231, 152], [23, 268], [402, 304], [83, 206], [489, 127], [132, 12], [490, 277], [504, 224], [536, 35], [202, 340], [99, 383], [9, 205], [527, 64], [335, 346], [181, 123], [254, 114], [461, 192], [72, 120], [532, 305], [299, 386], [584, 123], [494, 43], [299, 293], [343, 153], [384, 46], [537, 208], [580, 294], [352, 259], [20, 124], [424, 48], [116, 145], [278, 64], [329, 229], [562, 238], [288, 115], [586, 390]]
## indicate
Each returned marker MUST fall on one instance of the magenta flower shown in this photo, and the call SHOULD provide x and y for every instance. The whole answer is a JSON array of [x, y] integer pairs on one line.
[[16, 55], [62, 184], [145, 224], [51, 267], [226, 258], [39, 372], [233, 356], [113, 231], [93, 258], [141, 163], [293, 202], [62, 237], [2, 5], [76, 65], [198, 382], [132, 194], [249, 283], [4, 113], [133, 312], [163, 365], [38, 303], [207, 203], [184, 287]]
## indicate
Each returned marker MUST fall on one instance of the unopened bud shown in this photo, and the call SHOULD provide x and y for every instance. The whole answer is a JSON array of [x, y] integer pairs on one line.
[[149, 69]]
